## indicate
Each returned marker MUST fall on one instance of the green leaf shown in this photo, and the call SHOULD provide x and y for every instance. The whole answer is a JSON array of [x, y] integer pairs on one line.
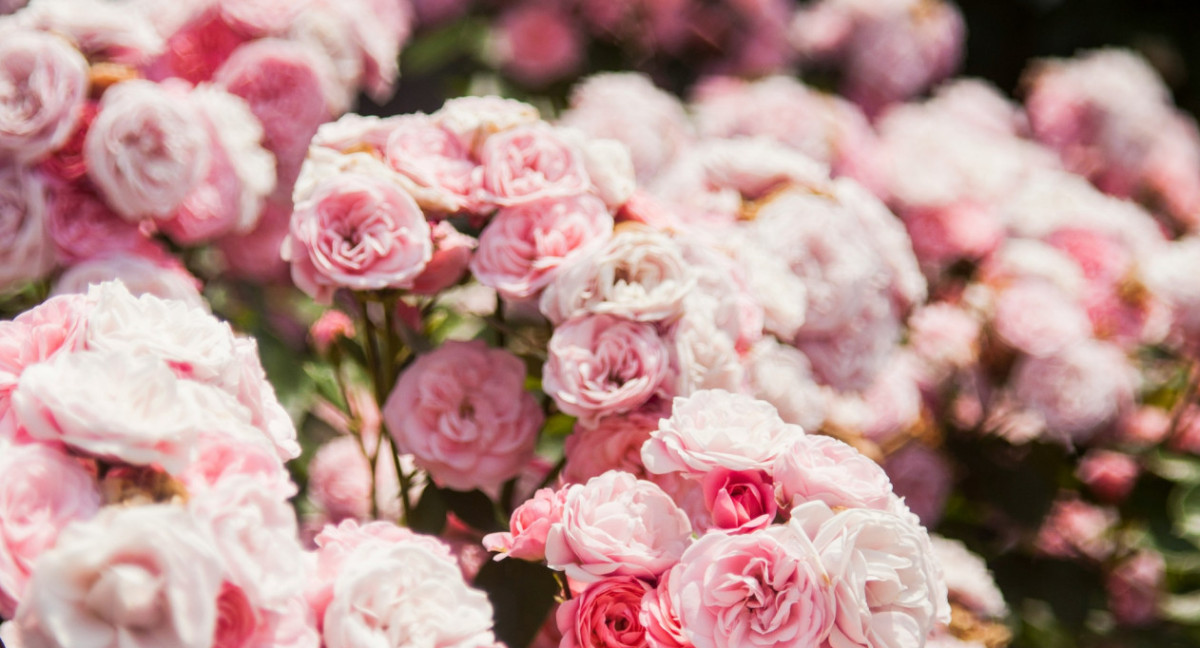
[[474, 507], [1185, 510], [1173, 467], [522, 594], [558, 425], [323, 379], [1182, 608], [429, 515]]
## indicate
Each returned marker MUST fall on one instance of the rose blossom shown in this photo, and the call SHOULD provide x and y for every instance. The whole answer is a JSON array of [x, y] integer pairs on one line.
[[537, 44], [132, 577], [463, 413], [1037, 318], [451, 255], [1076, 390], [474, 119], [330, 327], [432, 163], [359, 232], [765, 589], [659, 618], [119, 407], [739, 501], [531, 162], [523, 247], [639, 274], [26, 251], [610, 443], [236, 618], [600, 364], [1074, 528], [616, 524], [923, 477], [45, 84], [1109, 474], [42, 491], [394, 594], [1135, 587], [715, 428], [967, 578], [529, 526], [824, 469], [154, 273], [146, 150], [606, 615], [339, 480], [888, 587], [82, 227], [782, 376]]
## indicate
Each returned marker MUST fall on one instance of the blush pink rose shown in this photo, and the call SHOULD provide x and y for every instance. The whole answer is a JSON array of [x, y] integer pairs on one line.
[[1076, 529], [1135, 588], [82, 226], [433, 164], [118, 407], [1037, 318], [475, 119], [610, 443], [359, 232], [821, 468], [529, 526], [606, 615], [26, 250], [659, 618], [1109, 474], [538, 43], [45, 83], [55, 326], [715, 428], [463, 413], [614, 525], [339, 480], [330, 327], [146, 150], [888, 587], [451, 255], [528, 163], [149, 272], [600, 365], [739, 501], [235, 451], [136, 577], [43, 491], [522, 248], [766, 589]]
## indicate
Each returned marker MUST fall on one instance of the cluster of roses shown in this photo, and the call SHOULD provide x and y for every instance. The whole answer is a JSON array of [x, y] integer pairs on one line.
[[771, 537], [189, 120], [145, 498]]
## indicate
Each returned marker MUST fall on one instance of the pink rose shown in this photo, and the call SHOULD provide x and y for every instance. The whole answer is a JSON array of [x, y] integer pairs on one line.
[[944, 234], [610, 443], [463, 413], [923, 477], [148, 272], [451, 255], [528, 163], [888, 587], [600, 365], [280, 82], [1135, 588], [1076, 390], [1109, 474], [358, 232], [659, 617], [529, 527], [967, 578], [1037, 318], [606, 615], [330, 327], [764, 589], [523, 247], [475, 119], [782, 376], [236, 618], [432, 163], [26, 250], [639, 274], [614, 525], [146, 150], [739, 501], [255, 255], [538, 44], [82, 226], [121, 408], [56, 325], [1074, 528], [825, 469], [142, 577], [339, 480], [45, 84], [715, 428], [42, 491], [225, 454]]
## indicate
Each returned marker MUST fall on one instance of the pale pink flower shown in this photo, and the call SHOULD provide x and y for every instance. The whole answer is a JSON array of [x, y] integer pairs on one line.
[[463, 413], [615, 525], [923, 477], [42, 492], [433, 164], [45, 82], [331, 326], [600, 365], [82, 226], [888, 586], [523, 247], [136, 577], [659, 617], [819, 468], [782, 376], [943, 337], [529, 526], [714, 428], [1077, 390], [55, 326], [531, 162], [606, 615], [968, 579], [1135, 588], [154, 273], [765, 589], [101, 31], [147, 149], [223, 454], [610, 443], [452, 253], [639, 274], [475, 119], [1037, 318], [359, 232], [1074, 528]]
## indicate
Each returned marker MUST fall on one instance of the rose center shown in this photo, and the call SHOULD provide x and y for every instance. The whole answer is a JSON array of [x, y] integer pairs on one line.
[[126, 596]]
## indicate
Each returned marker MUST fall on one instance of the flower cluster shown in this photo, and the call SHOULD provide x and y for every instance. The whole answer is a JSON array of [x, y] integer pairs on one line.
[[189, 121]]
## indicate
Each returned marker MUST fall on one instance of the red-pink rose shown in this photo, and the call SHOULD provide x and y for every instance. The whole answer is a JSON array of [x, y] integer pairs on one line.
[[1109, 474], [739, 501], [359, 232], [606, 615]]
